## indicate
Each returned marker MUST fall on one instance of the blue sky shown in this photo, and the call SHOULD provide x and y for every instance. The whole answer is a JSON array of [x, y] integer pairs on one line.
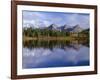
[[41, 19]]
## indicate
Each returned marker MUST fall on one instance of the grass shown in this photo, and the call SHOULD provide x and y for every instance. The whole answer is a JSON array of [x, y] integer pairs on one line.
[[50, 38]]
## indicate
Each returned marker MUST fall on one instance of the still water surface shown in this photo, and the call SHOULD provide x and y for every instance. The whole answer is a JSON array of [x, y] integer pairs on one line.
[[54, 53]]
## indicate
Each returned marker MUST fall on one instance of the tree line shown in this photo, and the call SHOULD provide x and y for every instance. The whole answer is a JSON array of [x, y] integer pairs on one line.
[[30, 32], [44, 32]]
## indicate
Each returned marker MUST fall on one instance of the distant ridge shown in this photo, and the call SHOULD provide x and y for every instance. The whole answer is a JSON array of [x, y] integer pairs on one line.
[[55, 27]]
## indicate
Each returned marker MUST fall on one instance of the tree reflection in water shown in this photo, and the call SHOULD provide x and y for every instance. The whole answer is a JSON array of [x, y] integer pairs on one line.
[[55, 53], [55, 44]]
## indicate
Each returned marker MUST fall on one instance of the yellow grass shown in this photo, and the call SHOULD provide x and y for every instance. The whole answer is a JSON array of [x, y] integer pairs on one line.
[[48, 38]]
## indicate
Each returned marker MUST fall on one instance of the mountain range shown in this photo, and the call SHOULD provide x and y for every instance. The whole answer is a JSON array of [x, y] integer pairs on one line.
[[65, 28]]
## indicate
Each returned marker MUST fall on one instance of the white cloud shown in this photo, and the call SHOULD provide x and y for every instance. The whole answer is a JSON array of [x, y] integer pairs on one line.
[[40, 19], [47, 23], [72, 20]]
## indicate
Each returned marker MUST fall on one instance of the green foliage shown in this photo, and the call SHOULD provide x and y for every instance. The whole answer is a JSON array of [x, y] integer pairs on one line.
[[30, 32], [43, 32], [85, 32]]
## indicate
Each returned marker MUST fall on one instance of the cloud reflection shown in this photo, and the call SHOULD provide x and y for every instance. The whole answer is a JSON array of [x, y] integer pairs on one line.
[[42, 57]]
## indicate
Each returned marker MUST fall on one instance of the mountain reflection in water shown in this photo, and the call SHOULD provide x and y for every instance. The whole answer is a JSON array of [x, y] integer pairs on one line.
[[55, 53]]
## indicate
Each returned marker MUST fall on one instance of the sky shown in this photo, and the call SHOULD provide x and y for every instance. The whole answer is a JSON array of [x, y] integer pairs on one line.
[[42, 18]]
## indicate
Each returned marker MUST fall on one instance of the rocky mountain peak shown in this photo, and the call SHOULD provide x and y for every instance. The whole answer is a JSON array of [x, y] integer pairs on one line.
[[52, 26], [77, 28]]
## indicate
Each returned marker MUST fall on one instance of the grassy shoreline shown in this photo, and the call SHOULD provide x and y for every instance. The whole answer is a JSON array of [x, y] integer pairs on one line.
[[50, 38]]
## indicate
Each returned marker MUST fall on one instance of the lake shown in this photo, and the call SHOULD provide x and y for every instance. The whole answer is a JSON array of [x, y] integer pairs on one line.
[[55, 53]]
